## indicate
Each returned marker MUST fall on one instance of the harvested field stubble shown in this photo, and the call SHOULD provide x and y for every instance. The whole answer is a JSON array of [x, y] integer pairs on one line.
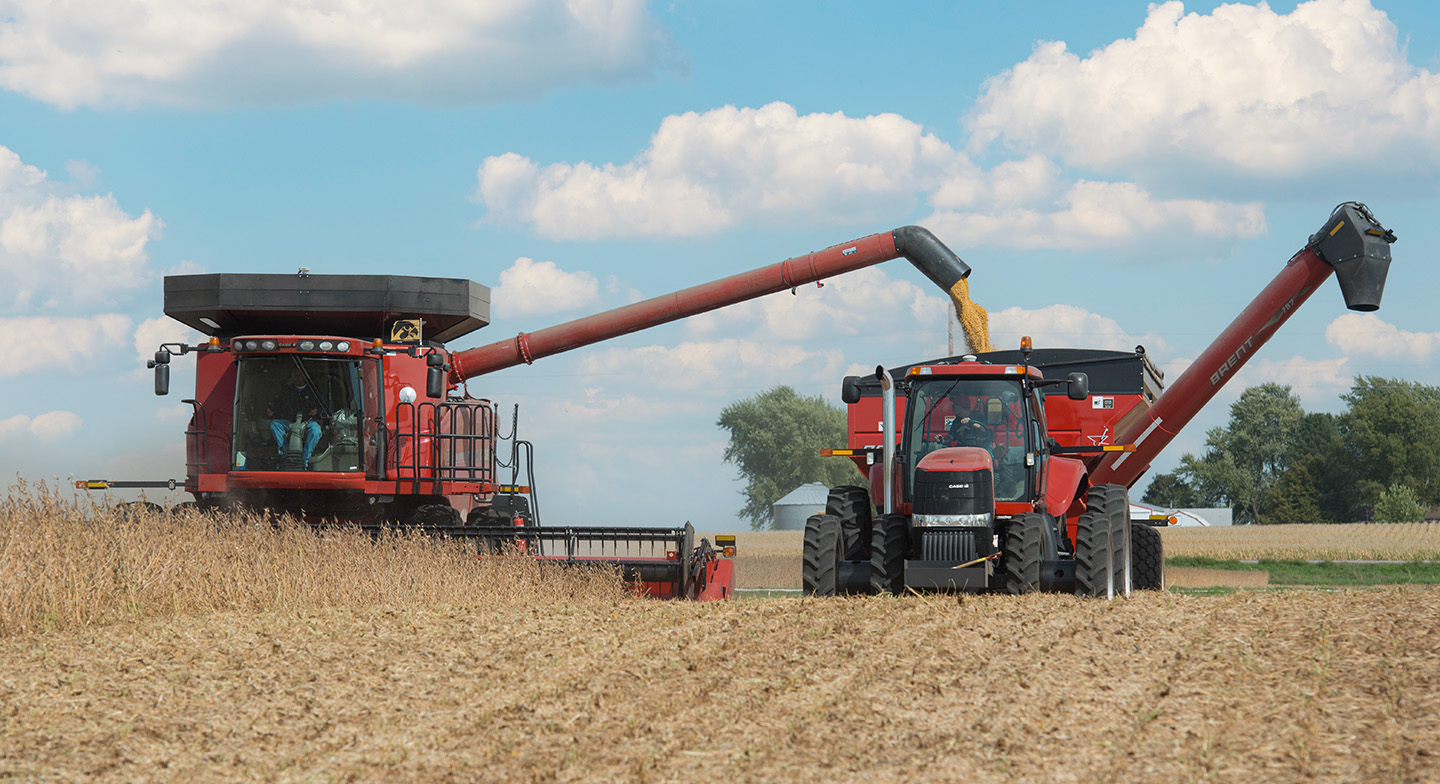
[[1337, 686]]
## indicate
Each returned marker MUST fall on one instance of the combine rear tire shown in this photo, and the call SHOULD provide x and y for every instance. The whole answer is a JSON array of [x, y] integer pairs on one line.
[[851, 504], [818, 573], [1023, 550], [1098, 570], [1149, 557], [888, 544]]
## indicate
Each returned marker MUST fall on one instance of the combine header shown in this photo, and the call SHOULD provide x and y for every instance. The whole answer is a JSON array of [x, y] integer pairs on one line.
[[993, 481], [336, 397]]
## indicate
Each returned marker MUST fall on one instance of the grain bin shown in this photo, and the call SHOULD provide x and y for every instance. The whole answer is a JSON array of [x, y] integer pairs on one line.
[[791, 512]]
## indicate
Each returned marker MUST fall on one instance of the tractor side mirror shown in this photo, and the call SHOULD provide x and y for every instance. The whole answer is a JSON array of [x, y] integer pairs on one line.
[[850, 390], [435, 382], [161, 363], [1079, 384]]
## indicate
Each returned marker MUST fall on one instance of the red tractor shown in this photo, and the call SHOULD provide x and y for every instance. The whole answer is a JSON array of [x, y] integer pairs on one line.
[[336, 398], [991, 478]]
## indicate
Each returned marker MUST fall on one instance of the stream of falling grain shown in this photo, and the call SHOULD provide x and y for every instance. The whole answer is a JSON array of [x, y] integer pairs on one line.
[[973, 318]]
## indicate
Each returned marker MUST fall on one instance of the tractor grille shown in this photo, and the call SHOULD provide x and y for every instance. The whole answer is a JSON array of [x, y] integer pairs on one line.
[[955, 544]]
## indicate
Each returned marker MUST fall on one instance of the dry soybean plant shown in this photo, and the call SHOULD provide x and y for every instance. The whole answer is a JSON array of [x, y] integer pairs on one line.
[[73, 562], [1354, 542]]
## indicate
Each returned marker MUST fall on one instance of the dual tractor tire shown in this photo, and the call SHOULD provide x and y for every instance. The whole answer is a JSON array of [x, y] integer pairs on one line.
[[1102, 544], [851, 505], [1022, 552], [820, 569], [889, 543]]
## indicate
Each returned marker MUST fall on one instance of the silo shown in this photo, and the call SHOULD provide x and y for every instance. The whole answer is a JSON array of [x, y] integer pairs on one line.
[[791, 512]]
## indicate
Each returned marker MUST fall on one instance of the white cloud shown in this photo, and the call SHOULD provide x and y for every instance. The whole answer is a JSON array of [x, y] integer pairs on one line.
[[1242, 89], [50, 426], [1316, 381], [42, 343], [1066, 325], [532, 287], [715, 365], [1367, 334], [179, 53], [704, 173], [707, 172], [58, 250], [154, 331]]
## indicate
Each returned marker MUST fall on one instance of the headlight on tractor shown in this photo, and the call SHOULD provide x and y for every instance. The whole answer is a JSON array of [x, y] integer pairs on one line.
[[984, 519]]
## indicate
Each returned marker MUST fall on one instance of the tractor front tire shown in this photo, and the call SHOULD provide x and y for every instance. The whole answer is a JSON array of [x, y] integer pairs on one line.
[[851, 504], [819, 571], [1149, 555], [1098, 572], [1022, 550], [889, 542]]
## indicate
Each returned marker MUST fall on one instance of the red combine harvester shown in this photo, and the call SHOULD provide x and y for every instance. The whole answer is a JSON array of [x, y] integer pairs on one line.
[[994, 481], [335, 398]]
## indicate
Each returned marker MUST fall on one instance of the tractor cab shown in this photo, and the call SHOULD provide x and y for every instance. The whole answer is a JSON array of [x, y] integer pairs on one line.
[[982, 423]]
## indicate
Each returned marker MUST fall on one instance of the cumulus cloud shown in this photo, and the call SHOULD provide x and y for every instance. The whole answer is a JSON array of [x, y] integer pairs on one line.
[[1367, 334], [44, 343], [722, 364], [1243, 89], [59, 249], [707, 172], [178, 53], [1067, 325], [704, 173], [50, 426], [154, 331], [532, 287]]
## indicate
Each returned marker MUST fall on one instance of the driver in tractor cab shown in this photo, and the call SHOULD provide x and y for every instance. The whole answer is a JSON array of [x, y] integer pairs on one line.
[[968, 429], [298, 400]]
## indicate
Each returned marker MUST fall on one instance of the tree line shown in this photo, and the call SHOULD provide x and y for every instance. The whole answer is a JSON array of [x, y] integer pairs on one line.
[[1276, 463]]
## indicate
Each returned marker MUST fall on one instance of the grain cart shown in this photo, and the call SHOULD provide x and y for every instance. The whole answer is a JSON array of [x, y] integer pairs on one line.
[[337, 398], [993, 481]]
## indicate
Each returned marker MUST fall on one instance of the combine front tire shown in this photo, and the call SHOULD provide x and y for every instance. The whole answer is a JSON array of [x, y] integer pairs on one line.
[[888, 544], [851, 504], [1023, 550], [1149, 556], [434, 516], [818, 573]]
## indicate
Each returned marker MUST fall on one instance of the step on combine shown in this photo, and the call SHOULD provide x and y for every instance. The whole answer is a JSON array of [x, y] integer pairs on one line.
[[336, 398], [1010, 470]]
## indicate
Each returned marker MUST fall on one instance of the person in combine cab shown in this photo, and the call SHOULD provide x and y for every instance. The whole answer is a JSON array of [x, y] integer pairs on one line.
[[295, 401]]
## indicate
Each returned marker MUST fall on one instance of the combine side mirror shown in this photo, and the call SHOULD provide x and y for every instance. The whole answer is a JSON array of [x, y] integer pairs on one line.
[[1079, 386], [435, 382], [850, 390], [161, 363]]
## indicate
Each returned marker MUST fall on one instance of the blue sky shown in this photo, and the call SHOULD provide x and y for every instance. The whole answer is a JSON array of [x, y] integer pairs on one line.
[[1115, 174]]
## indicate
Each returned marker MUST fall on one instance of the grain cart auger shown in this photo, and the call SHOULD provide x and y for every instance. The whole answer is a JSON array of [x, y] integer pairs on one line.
[[335, 397], [995, 480]]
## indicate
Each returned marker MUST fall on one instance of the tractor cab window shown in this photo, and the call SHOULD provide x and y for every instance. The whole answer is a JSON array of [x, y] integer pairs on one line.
[[962, 411], [296, 413]]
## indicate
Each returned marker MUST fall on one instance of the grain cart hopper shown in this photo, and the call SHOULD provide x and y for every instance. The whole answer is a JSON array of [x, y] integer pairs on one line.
[[387, 434], [994, 480]]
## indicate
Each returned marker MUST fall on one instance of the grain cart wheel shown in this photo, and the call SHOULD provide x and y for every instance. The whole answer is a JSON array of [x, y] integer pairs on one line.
[[1122, 547], [889, 542], [1022, 551], [1148, 553], [1097, 570], [434, 516], [851, 504], [818, 573]]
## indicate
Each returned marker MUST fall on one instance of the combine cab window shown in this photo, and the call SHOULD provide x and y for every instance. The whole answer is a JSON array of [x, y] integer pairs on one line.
[[296, 413], [961, 411]]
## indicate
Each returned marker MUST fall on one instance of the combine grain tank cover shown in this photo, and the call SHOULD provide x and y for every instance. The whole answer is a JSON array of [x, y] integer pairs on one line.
[[359, 306]]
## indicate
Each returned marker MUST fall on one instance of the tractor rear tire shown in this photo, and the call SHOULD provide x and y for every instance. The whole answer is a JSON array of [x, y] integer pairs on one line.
[[1022, 551], [1098, 573], [1122, 547], [889, 542], [1149, 557], [851, 503], [819, 573]]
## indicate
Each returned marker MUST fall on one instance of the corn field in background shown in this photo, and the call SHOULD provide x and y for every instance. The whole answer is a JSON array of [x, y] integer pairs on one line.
[[1354, 542], [67, 563]]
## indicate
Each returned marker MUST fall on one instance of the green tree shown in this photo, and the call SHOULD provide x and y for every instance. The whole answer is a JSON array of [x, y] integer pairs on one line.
[[1392, 436], [1398, 504], [1317, 485], [1170, 492], [1244, 460], [775, 441]]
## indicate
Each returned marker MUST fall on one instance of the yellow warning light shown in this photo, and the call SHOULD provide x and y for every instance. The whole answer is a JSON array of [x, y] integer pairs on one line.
[[1025, 343], [214, 341]]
